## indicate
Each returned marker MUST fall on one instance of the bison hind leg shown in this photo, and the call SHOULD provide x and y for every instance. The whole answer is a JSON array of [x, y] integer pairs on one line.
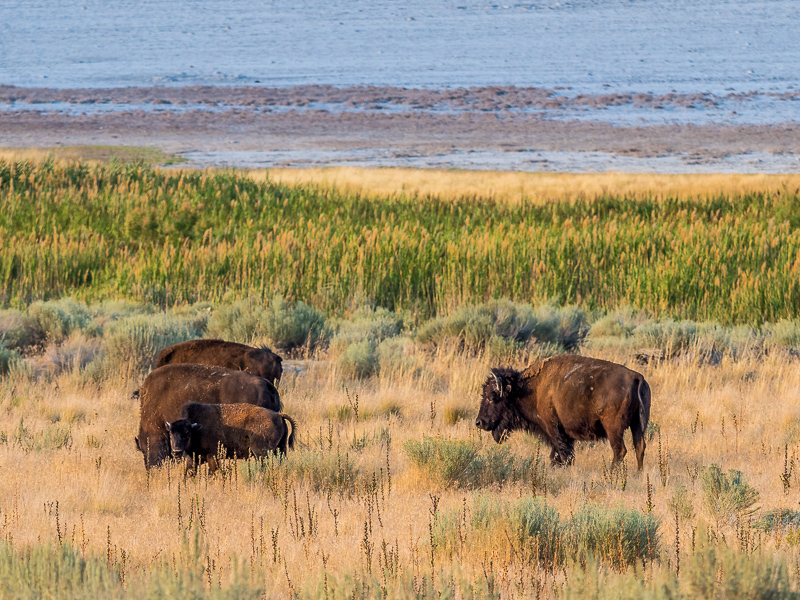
[[617, 441], [638, 443], [563, 452]]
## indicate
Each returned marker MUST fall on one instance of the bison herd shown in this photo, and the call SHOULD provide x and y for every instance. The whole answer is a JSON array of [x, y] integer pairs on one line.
[[210, 398]]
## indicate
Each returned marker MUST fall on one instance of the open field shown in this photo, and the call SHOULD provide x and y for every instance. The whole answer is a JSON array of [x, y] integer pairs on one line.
[[384, 306], [392, 489]]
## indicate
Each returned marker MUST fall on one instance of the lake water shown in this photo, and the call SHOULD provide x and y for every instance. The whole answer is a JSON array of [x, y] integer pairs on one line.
[[586, 45]]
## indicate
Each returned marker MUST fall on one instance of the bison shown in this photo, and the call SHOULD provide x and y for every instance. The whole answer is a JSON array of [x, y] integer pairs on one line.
[[258, 361], [168, 388], [241, 429], [566, 398]]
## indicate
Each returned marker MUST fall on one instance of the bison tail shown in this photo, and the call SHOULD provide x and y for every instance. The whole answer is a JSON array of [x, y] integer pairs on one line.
[[644, 405], [135, 395], [290, 441]]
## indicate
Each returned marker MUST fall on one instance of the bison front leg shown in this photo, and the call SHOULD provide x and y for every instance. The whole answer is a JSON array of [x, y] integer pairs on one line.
[[191, 467]]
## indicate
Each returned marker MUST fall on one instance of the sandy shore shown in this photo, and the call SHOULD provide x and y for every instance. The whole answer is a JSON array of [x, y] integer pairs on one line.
[[380, 126]]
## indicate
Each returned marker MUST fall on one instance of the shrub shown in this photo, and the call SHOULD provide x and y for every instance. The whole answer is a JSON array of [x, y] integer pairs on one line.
[[538, 529], [395, 355], [779, 518], [727, 496], [619, 324], [714, 572], [52, 437], [324, 471], [444, 460], [59, 318], [74, 353], [113, 310], [360, 359], [618, 535], [517, 325], [285, 325], [7, 358], [670, 336], [457, 463], [783, 334], [19, 331], [132, 344], [681, 503], [453, 414], [66, 573], [367, 323]]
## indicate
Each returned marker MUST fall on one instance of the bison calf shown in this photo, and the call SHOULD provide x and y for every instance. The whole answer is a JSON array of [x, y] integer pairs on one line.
[[257, 361], [168, 388], [567, 398], [241, 430]]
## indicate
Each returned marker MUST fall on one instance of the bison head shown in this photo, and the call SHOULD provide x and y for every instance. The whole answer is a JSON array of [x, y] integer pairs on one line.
[[180, 436], [498, 412]]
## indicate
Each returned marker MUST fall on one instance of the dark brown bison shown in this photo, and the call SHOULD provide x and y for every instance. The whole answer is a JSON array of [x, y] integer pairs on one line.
[[168, 388], [258, 361], [567, 398], [241, 429]]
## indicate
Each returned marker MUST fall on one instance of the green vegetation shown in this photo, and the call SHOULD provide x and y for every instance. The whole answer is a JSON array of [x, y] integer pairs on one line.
[[43, 571], [172, 238], [615, 535], [457, 463]]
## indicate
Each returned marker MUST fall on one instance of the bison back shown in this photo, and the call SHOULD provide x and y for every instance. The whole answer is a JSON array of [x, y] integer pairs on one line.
[[256, 361]]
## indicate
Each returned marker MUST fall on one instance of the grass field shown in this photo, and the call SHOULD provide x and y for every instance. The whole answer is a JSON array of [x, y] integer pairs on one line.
[[392, 492], [171, 238], [515, 187]]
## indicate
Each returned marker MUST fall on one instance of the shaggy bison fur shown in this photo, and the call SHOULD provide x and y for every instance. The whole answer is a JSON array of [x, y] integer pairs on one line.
[[168, 388], [257, 361], [567, 398], [241, 430]]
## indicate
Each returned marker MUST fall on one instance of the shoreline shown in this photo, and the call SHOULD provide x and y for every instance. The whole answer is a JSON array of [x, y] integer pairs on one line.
[[488, 128]]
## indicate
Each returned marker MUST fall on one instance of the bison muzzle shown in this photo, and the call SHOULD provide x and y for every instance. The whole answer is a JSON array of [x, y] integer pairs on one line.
[[567, 398]]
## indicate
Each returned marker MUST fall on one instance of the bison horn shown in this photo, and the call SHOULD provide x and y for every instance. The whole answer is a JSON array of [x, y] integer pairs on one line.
[[167, 425], [498, 383]]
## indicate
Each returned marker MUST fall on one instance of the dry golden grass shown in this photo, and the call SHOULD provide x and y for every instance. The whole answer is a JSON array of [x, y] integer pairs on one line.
[[97, 486], [537, 187], [91, 155]]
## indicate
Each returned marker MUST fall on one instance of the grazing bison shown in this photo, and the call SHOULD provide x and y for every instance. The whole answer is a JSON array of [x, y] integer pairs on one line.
[[567, 398], [241, 429], [258, 361], [168, 388]]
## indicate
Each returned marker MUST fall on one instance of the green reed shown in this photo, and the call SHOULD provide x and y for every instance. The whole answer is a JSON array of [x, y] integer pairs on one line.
[[171, 238]]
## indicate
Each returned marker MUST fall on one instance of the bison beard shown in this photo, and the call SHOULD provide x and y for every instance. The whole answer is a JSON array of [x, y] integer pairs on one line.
[[567, 398]]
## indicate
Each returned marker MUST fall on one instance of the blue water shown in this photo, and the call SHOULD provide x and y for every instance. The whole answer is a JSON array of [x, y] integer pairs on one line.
[[587, 45]]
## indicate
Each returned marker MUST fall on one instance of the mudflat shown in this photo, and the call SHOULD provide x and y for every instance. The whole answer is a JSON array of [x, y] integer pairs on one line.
[[488, 127]]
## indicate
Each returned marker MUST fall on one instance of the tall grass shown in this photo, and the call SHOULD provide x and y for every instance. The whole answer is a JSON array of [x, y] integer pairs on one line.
[[169, 238]]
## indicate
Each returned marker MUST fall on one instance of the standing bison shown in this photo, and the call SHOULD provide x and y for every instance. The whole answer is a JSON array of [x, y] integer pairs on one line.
[[258, 361], [567, 398], [168, 388], [241, 429]]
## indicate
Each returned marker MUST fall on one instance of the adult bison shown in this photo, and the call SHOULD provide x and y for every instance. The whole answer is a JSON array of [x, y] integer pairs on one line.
[[567, 398], [241, 429], [258, 361], [168, 388]]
